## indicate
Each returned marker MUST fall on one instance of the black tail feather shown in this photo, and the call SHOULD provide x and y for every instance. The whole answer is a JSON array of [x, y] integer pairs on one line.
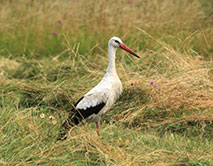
[[62, 135], [76, 116], [67, 125]]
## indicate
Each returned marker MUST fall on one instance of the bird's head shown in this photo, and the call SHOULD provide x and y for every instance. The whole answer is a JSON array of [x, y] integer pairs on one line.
[[117, 43]]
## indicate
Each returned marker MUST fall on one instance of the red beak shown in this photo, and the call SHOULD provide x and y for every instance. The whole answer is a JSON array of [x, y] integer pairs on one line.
[[127, 49]]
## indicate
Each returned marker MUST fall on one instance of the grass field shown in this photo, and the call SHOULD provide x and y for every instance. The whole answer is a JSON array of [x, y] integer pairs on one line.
[[52, 52]]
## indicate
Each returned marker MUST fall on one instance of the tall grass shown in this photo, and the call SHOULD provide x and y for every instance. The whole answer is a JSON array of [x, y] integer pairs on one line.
[[31, 24], [52, 52]]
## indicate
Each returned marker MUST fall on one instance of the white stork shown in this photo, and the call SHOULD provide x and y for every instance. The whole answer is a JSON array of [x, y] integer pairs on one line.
[[100, 99]]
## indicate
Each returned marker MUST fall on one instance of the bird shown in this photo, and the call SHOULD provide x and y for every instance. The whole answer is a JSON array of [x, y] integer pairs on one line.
[[100, 99]]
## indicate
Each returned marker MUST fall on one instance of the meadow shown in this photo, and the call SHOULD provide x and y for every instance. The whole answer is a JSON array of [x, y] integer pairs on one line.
[[52, 52]]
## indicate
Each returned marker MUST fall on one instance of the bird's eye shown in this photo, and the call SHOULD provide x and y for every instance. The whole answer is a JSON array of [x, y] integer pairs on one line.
[[117, 41]]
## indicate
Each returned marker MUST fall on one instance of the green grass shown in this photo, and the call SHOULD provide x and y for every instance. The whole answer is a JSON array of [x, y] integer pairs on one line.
[[46, 65]]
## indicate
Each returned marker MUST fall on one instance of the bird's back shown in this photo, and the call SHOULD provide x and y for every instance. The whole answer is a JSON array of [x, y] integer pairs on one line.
[[107, 91], [95, 103]]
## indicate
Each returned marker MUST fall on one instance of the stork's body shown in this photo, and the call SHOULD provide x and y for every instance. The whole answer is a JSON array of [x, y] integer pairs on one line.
[[100, 99]]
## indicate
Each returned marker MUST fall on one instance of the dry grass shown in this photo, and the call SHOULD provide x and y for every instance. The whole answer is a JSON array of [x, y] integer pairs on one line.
[[47, 65], [190, 84]]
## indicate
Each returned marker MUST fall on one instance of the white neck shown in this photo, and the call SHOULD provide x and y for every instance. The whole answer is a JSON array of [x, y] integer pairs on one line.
[[111, 66]]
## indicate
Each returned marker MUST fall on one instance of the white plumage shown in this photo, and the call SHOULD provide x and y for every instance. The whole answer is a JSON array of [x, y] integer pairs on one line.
[[107, 91], [100, 99]]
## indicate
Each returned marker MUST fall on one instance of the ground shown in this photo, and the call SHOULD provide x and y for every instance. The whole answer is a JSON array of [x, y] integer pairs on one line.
[[53, 52]]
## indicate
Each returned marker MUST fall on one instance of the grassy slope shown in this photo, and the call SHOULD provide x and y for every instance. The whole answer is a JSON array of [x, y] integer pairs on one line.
[[47, 64]]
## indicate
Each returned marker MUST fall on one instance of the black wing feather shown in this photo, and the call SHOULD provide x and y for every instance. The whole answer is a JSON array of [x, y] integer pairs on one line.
[[77, 115]]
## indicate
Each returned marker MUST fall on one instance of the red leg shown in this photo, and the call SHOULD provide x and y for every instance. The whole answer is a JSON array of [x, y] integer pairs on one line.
[[97, 128]]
